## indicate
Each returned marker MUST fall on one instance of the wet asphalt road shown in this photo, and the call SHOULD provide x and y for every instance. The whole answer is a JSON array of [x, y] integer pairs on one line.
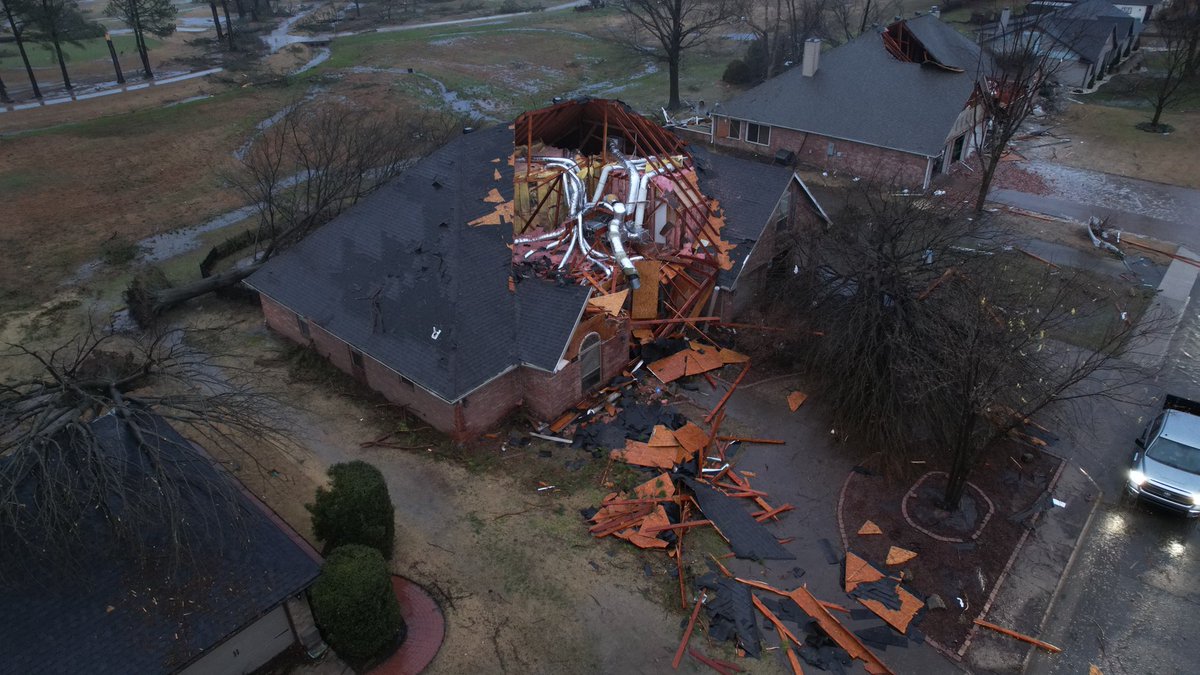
[[1132, 603]]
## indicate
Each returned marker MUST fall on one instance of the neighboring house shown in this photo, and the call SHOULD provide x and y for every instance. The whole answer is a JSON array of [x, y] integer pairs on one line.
[[402, 293], [233, 602], [1086, 40], [894, 105], [460, 303], [761, 202], [1141, 10]]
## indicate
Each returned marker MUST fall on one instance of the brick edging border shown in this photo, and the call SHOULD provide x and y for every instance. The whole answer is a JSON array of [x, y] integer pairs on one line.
[[956, 656]]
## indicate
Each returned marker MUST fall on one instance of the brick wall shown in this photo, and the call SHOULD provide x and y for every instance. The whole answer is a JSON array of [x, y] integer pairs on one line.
[[867, 161], [546, 395]]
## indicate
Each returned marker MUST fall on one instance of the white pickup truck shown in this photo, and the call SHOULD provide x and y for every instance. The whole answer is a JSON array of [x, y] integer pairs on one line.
[[1166, 466]]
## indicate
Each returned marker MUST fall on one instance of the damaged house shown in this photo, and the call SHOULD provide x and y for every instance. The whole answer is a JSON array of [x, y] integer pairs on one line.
[[896, 105], [516, 266]]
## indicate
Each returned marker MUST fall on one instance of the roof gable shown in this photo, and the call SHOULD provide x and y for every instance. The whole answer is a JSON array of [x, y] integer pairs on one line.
[[863, 93]]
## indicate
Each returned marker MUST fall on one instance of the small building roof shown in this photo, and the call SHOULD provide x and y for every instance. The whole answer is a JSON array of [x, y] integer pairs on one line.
[[405, 278], [117, 615], [862, 93], [747, 193]]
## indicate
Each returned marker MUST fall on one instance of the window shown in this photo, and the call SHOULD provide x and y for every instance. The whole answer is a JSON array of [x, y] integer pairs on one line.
[[356, 359], [303, 326], [407, 382], [758, 133], [589, 362], [735, 129]]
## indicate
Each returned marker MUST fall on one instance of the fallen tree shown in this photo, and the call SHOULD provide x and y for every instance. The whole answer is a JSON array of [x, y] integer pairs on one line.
[[317, 160]]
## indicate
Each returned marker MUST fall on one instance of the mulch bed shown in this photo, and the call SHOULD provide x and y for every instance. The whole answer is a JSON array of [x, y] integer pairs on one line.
[[968, 563]]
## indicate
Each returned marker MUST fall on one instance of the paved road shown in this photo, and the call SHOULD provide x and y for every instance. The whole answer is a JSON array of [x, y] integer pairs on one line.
[[1131, 603], [1165, 212]]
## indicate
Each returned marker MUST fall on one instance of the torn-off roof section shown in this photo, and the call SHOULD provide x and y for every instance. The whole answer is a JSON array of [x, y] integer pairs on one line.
[[402, 277], [944, 44], [862, 93], [747, 193]]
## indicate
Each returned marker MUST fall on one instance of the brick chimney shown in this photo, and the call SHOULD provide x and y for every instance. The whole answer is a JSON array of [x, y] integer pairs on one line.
[[812, 56]]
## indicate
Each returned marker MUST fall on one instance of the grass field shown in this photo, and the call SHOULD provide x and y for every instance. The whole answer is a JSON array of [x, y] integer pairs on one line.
[[87, 50], [1105, 138]]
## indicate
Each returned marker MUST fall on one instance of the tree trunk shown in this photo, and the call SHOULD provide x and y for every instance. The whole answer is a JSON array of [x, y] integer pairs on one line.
[[144, 52], [985, 181], [673, 69], [145, 304], [228, 26], [12, 24], [254, 11], [62, 61], [956, 482], [212, 4], [241, 9], [866, 15], [3, 92], [1158, 111]]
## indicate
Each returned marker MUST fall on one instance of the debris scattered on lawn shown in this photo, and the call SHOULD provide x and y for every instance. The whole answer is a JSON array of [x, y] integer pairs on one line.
[[881, 594], [796, 399], [1020, 636], [869, 527], [899, 556]]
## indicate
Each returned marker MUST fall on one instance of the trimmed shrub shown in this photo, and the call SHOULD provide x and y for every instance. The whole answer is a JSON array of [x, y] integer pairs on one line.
[[737, 72], [354, 605], [355, 509]]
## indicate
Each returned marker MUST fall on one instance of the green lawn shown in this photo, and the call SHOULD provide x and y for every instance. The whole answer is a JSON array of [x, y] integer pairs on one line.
[[93, 49]]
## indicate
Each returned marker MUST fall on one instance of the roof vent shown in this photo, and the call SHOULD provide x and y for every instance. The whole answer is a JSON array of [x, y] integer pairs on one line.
[[812, 57]]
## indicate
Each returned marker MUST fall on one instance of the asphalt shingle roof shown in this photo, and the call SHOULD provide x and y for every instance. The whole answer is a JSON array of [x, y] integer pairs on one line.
[[747, 193], [117, 616], [862, 93], [405, 279]]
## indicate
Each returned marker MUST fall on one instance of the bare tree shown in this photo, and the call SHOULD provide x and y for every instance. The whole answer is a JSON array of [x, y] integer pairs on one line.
[[923, 335], [677, 25], [316, 161], [59, 470], [852, 17], [1012, 72], [1179, 33]]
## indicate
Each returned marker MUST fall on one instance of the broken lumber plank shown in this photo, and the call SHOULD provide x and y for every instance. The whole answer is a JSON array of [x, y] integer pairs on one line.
[[763, 515], [641, 454], [721, 404], [762, 586], [611, 303], [791, 653], [645, 297], [654, 529], [833, 606], [783, 630], [724, 570], [838, 633], [687, 634], [556, 439], [716, 664], [691, 437], [659, 322], [796, 399], [1020, 636]]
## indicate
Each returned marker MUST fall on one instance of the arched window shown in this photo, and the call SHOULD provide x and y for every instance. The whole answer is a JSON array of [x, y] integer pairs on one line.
[[589, 362]]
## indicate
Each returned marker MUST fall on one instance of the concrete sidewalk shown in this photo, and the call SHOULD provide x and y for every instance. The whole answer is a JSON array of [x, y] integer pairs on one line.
[[1187, 233]]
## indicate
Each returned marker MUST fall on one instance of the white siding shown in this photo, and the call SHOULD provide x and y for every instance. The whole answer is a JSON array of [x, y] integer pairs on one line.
[[258, 643]]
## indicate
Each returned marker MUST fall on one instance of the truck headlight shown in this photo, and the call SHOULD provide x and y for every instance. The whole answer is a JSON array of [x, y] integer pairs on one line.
[[1196, 498], [1138, 478]]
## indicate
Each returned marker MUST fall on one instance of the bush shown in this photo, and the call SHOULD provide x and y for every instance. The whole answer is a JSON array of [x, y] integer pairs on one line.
[[737, 72], [354, 605], [356, 509]]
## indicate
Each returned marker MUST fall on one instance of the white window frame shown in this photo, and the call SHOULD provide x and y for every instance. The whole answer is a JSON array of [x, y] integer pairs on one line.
[[729, 132], [752, 125]]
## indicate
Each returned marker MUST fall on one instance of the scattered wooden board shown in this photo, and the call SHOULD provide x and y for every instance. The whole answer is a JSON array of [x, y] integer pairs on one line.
[[869, 527], [796, 399]]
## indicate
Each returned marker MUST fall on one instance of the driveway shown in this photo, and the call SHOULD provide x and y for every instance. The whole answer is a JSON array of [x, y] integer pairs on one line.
[[1165, 212], [1130, 604]]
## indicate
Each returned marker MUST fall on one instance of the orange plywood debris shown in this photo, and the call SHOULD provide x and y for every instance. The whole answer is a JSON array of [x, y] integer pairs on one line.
[[899, 556], [494, 196], [641, 454], [502, 213], [796, 399], [643, 335], [702, 360], [730, 356], [496, 174], [656, 487], [662, 437], [838, 633], [611, 303], [670, 368], [869, 527], [645, 298], [859, 571], [692, 438]]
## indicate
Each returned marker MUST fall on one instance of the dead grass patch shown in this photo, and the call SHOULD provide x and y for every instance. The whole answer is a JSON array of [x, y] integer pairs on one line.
[[1107, 137]]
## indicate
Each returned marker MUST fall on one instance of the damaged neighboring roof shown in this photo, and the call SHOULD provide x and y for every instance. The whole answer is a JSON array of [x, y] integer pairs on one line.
[[403, 278]]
